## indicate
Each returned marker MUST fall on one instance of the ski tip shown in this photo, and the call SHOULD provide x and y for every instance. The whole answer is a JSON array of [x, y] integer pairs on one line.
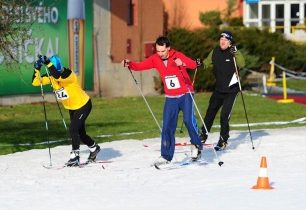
[[47, 166], [220, 163], [102, 161], [53, 167], [156, 167], [187, 163]]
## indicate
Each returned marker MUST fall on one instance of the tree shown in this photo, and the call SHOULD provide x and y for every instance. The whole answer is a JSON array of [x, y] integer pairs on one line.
[[16, 18], [179, 14], [210, 18], [215, 18], [231, 8]]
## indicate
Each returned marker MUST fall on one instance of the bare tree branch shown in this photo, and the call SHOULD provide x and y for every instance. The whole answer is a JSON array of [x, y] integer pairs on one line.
[[16, 18]]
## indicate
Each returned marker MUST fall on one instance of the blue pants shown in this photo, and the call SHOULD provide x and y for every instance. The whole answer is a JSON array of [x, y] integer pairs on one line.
[[172, 108]]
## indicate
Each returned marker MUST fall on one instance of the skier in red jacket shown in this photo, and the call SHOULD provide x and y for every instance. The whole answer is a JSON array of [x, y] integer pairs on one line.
[[172, 65]]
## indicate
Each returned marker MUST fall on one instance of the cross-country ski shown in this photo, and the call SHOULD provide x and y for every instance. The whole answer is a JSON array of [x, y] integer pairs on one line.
[[81, 165], [131, 175]]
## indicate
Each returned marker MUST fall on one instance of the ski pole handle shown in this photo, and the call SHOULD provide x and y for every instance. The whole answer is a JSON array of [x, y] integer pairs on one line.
[[126, 63]]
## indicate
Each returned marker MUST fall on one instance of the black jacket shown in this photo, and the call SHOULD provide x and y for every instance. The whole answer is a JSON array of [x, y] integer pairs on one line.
[[223, 69]]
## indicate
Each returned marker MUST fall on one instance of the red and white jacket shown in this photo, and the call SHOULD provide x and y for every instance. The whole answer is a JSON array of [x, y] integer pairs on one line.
[[171, 75]]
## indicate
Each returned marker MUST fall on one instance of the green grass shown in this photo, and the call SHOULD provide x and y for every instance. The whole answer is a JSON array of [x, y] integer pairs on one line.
[[111, 118], [295, 84]]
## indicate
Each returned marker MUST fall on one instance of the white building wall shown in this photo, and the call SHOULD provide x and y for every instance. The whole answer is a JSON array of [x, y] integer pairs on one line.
[[273, 16], [287, 14], [287, 25]]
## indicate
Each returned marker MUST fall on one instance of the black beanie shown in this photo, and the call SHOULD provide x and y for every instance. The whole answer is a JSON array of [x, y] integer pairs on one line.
[[228, 35]]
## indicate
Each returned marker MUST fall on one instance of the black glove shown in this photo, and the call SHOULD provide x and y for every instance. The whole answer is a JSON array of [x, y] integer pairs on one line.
[[233, 49], [37, 65], [43, 59], [126, 63], [199, 62]]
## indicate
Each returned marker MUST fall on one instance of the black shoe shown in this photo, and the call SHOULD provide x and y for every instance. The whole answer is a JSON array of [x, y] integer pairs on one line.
[[221, 145], [74, 159], [93, 155], [203, 137]]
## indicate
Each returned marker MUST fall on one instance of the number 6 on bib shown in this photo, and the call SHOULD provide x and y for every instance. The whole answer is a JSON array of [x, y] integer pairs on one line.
[[172, 82]]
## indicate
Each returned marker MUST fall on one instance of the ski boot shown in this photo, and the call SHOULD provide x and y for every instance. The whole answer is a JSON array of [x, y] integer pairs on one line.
[[74, 159], [221, 145], [195, 152], [94, 150], [161, 163], [203, 138]]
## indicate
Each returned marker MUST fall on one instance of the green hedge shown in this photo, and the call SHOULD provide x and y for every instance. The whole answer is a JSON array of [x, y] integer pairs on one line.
[[258, 46]]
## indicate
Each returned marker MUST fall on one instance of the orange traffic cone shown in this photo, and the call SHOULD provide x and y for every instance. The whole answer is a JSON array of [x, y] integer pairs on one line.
[[263, 180]]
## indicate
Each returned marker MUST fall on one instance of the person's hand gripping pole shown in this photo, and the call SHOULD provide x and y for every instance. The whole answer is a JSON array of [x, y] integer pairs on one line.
[[126, 64]]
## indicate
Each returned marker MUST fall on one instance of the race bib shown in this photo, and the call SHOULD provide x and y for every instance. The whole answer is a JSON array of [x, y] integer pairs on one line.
[[172, 82], [61, 94]]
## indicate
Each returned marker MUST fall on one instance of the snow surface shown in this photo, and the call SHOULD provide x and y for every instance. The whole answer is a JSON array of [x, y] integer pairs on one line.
[[131, 183]]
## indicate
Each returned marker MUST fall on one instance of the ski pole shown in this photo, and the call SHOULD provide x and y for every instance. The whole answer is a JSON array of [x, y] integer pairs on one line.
[[220, 163], [46, 120], [193, 80], [144, 98], [59, 108], [245, 112]]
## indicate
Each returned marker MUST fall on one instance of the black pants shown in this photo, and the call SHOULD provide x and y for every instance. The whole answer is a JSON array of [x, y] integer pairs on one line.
[[216, 101], [77, 126]]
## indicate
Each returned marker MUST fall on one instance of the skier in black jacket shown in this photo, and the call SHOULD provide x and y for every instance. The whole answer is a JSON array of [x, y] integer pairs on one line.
[[226, 88]]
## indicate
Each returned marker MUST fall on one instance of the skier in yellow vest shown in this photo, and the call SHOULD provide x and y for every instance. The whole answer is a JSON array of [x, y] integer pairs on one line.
[[74, 98]]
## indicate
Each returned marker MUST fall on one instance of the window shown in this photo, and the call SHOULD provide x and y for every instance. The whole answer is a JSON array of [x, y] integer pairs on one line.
[[295, 14], [266, 15], [253, 24], [253, 11], [280, 14], [295, 9], [130, 18]]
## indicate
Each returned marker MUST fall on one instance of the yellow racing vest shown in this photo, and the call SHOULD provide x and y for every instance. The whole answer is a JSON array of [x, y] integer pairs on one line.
[[68, 91]]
